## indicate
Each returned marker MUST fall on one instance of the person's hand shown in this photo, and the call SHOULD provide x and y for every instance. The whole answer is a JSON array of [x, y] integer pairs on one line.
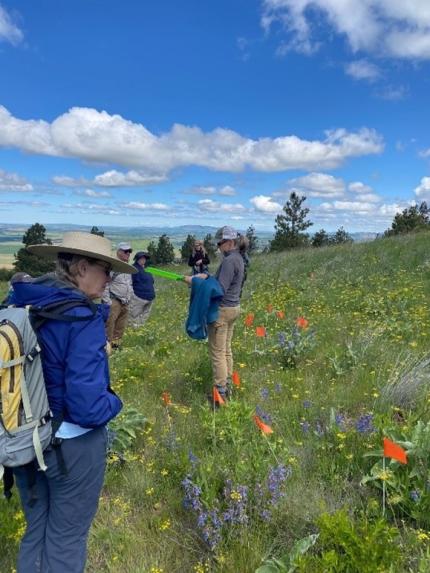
[[203, 276], [188, 279], [199, 262]]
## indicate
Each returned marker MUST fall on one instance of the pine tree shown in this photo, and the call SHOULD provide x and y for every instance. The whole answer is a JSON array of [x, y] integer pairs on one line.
[[165, 250], [290, 227], [97, 231], [187, 248], [341, 236], [252, 238], [210, 246], [320, 239], [414, 218], [152, 252], [28, 262]]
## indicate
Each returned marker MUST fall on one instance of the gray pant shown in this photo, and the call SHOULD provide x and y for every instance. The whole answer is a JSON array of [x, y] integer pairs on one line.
[[138, 311], [55, 540]]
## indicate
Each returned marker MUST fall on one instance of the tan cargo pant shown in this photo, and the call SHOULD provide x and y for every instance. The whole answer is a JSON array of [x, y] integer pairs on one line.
[[117, 321], [220, 334]]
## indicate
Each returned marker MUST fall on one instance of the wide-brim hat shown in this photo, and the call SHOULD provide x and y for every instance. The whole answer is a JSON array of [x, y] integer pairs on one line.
[[87, 245]]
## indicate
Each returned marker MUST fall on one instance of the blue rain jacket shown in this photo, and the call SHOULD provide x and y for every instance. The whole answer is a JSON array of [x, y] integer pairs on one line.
[[206, 295], [143, 283], [74, 360]]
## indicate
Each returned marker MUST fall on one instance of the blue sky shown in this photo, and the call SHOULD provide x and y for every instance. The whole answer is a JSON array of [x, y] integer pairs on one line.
[[212, 111]]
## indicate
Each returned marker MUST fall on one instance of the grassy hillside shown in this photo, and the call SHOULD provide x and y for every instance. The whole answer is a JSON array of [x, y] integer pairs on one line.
[[189, 490]]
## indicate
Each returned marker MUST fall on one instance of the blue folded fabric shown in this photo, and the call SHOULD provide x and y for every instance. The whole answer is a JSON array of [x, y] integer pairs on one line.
[[206, 295]]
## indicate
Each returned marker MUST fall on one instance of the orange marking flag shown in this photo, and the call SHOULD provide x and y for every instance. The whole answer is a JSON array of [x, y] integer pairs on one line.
[[260, 331], [165, 396], [262, 426], [394, 451], [217, 398], [235, 378], [280, 314], [302, 322], [249, 319]]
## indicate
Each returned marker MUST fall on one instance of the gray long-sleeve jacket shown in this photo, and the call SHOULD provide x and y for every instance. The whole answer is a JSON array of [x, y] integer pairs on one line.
[[230, 275]]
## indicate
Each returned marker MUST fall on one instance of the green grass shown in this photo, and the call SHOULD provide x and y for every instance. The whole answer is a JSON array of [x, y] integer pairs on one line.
[[368, 307]]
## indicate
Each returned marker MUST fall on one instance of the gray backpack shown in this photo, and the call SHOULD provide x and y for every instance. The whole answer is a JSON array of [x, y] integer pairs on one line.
[[26, 422], [25, 417]]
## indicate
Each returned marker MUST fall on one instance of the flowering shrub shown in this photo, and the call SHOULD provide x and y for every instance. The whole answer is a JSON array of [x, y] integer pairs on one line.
[[294, 344]]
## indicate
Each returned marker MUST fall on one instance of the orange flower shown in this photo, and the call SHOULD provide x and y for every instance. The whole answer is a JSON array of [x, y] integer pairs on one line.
[[269, 307], [236, 378], [262, 426], [302, 322], [280, 314], [249, 319], [260, 331], [165, 396]]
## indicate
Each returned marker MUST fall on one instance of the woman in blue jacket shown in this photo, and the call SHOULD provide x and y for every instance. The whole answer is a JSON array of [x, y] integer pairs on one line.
[[143, 291], [76, 373]]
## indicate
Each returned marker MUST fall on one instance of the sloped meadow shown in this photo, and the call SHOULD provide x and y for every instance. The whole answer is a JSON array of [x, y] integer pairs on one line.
[[331, 353]]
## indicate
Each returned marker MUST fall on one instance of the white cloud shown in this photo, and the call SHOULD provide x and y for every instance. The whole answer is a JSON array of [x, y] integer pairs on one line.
[[359, 187], [318, 185], [265, 204], [93, 136], [98, 208], [424, 153], [363, 70], [394, 28], [112, 178], [202, 190], [13, 182], [145, 206], [132, 178], [227, 191], [66, 181], [210, 206], [93, 194], [393, 93], [9, 32], [423, 188]]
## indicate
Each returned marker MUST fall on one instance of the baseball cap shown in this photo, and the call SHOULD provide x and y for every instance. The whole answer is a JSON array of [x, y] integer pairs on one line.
[[226, 234], [124, 247]]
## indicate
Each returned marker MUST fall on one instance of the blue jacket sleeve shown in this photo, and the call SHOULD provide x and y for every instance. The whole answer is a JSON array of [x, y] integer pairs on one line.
[[88, 399]]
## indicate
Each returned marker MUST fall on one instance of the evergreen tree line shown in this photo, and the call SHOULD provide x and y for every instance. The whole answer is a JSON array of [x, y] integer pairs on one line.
[[290, 232]]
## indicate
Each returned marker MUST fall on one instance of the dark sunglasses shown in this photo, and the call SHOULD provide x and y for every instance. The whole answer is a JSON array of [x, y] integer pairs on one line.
[[106, 267], [221, 242], [127, 250]]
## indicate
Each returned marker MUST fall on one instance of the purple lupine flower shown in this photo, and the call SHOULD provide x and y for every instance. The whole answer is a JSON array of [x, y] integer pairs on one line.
[[264, 393], [237, 498], [278, 387], [281, 339], [319, 429], [307, 404], [263, 415], [192, 495], [194, 460], [305, 427], [364, 424], [415, 495], [340, 421], [275, 480]]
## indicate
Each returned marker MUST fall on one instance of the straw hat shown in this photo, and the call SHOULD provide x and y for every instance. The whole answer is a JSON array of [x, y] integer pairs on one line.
[[86, 244]]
